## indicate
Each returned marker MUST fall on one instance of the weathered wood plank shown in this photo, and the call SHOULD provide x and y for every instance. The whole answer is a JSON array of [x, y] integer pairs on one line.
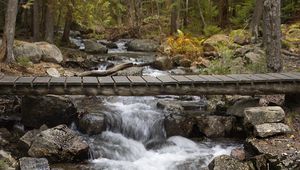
[[210, 79], [255, 79], [137, 80], [241, 78], [42, 81], [106, 81], [25, 81], [182, 79], [58, 81], [90, 81], [167, 80], [121, 80], [8, 80], [225, 79], [74, 81], [152, 80], [282, 77], [268, 78], [196, 79], [295, 77]]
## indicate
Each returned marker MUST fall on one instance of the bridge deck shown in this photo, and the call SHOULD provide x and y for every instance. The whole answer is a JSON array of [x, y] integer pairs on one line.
[[271, 83]]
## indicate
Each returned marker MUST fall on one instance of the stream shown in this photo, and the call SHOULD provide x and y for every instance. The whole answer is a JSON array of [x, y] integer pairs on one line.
[[135, 138]]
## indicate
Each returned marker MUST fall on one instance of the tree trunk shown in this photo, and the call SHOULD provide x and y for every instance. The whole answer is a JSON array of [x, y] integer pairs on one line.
[[186, 14], [256, 18], [49, 21], [272, 34], [36, 20], [201, 14], [223, 13], [174, 16], [6, 49], [68, 21]]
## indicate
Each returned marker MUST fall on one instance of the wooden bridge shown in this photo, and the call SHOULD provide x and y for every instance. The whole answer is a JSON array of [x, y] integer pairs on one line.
[[245, 84]]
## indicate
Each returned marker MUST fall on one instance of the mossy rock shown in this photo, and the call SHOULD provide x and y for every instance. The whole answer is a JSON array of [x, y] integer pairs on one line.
[[240, 36]]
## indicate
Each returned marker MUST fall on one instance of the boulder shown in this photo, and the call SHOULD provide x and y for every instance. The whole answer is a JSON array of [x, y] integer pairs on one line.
[[29, 50], [144, 45], [170, 106], [212, 43], [271, 129], [94, 47], [59, 144], [132, 71], [50, 52], [179, 125], [184, 62], [50, 110], [216, 126], [241, 37], [53, 72], [238, 153], [26, 140], [253, 57], [225, 162], [108, 44], [260, 115], [162, 63], [238, 108], [92, 123], [27, 163]]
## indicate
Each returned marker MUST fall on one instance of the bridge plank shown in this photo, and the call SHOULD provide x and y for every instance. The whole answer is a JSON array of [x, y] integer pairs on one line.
[[225, 79], [25, 81], [57, 81], [152, 80], [268, 78], [182, 79], [77, 81], [167, 80], [88, 81], [210, 79], [255, 78], [241, 78], [282, 77], [121, 80], [137, 80], [295, 77], [41, 81], [8, 80], [106, 81], [196, 79]]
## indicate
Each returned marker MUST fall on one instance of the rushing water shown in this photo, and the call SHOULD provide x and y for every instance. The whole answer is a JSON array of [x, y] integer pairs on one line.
[[135, 140]]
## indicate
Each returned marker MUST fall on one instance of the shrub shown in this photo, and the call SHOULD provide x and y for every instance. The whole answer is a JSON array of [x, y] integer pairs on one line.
[[211, 30]]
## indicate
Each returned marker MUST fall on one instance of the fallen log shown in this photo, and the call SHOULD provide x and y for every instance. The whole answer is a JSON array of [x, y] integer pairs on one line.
[[286, 52], [111, 71]]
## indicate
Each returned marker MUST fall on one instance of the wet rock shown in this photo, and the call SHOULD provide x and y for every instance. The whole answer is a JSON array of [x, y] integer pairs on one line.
[[280, 151], [29, 50], [170, 106], [179, 125], [238, 153], [75, 33], [92, 123], [216, 126], [271, 129], [8, 159], [225, 162], [260, 115], [191, 164], [27, 163], [259, 162], [50, 52], [185, 62], [108, 44], [26, 140], [53, 72], [59, 144], [144, 45], [162, 63], [212, 43], [178, 71], [50, 110], [94, 47], [238, 108], [132, 71]]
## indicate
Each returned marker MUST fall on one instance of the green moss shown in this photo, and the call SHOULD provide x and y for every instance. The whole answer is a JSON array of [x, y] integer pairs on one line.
[[3, 165], [24, 61]]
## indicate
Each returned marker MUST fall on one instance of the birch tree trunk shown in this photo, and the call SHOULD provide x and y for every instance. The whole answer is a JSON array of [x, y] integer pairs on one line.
[[6, 49], [272, 34]]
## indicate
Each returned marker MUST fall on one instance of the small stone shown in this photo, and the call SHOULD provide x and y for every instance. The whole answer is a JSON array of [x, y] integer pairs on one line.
[[27, 163], [53, 72], [238, 153]]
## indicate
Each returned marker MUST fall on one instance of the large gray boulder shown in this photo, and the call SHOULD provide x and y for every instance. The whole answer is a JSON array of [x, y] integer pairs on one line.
[[225, 162], [27, 163], [28, 50], [162, 63], [271, 129], [179, 125], [94, 47], [50, 53], [144, 45], [92, 123], [260, 115], [50, 110], [237, 109], [216, 126], [59, 144]]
